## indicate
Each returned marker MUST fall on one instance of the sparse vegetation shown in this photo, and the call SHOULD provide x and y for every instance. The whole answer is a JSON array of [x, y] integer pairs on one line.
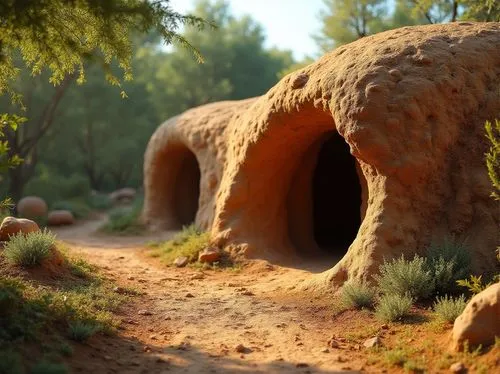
[[188, 243], [393, 307], [80, 331], [493, 156], [449, 308], [405, 277], [30, 249], [448, 261], [29, 309], [357, 295], [78, 208], [125, 221], [475, 284]]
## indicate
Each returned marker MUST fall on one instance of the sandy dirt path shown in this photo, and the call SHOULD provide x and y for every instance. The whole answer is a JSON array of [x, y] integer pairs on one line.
[[191, 321]]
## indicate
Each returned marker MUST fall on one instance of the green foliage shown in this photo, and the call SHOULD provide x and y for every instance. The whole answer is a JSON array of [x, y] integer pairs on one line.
[[346, 21], [78, 207], [100, 201], [10, 362], [188, 243], [357, 295], [493, 154], [12, 122], [474, 284], [124, 220], [45, 367], [393, 307], [80, 331], [448, 261], [405, 277], [29, 249], [98, 28], [449, 308], [481, 10]]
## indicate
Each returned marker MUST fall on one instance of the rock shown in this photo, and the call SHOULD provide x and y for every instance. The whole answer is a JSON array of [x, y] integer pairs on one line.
[[332, 343], [144, 312], [402, 116], [458, 367], [240, 348], [60, 217], [209, 255], [123, 195], [479, 322], [189, 295], [32, 207], [11, 226], [385, 326], [180, 262], [301, 365], [372, 342]]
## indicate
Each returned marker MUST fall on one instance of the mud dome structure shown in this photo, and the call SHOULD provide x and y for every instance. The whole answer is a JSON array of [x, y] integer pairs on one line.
[[376, 149]]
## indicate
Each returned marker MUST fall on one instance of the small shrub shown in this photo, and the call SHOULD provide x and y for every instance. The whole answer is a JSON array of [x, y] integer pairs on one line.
[[396, 357], [448, 308], [393, 307], [475, 283], [100, 201], [357, 295], [448, 261], [45, 367], [405, 277], [81, 331], [188, 243], [30, 249], [124, 220], [65, 349]]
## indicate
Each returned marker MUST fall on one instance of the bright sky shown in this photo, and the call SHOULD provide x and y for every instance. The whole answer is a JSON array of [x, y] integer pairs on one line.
[[288, 24]]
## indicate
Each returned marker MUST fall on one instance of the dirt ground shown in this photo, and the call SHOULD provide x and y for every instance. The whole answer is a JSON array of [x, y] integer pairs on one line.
[[192, 321]]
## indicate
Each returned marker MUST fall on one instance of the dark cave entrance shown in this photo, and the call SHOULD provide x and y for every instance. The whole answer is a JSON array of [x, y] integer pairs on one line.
[[187, 190], [336, 196]]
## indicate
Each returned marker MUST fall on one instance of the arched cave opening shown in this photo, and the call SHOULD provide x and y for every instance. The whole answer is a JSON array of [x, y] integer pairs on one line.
[[187, 190], [336, 196], [327, 196]]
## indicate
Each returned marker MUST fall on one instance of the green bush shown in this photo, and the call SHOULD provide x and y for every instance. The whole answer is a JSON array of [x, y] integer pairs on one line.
[[45, 367], [405, 277], [30, 249], [449, 308], [393, 307], [53, 187], [79, 208], [100, 201], [80, 331], [124, 220], [357, 295], [448, 262]]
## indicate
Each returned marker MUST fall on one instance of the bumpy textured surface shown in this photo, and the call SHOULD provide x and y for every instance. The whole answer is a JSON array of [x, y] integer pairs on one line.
[[411, 104], [480, 321], [12, 226]]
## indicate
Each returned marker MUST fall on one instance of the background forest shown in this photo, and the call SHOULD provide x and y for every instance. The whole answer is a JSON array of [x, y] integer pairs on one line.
[[80, 138]]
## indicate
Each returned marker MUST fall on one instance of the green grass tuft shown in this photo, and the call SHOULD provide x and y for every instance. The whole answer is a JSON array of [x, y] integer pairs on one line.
[[29, 249], [10, 362], [125, 221], [357, 295], [188, 243], [449, 308], [81, 331], [393, 307], [405, 277]]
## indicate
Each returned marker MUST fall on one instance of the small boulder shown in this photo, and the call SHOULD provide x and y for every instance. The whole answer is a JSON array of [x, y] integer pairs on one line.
[[458, 367], [60, 217], [123, 195], [372, 342], [32, 207], [181, 261], [209, 255], [478, 323], [12, 226]]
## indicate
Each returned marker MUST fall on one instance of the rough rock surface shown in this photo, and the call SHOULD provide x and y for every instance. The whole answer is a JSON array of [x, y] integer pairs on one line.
[[60, 217], [209, 255], [12, 226], [411, 105], [479, 323], [32, 207]]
